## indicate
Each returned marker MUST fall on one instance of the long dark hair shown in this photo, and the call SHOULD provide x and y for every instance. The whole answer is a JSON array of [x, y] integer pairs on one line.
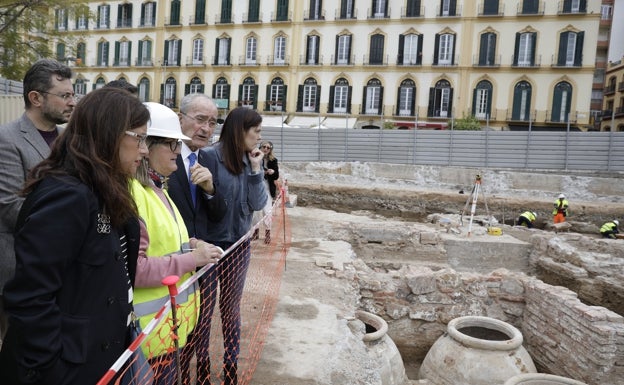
[[88, 149], [232, 137]]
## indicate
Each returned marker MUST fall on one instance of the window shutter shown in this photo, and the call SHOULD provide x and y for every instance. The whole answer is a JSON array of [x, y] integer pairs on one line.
[[398, 99], [330, 107], [453, 8], [583, 6], [567, 6], [516, 49], [419, 52], [563, 47], [533, 44], [187, 89], [431, 105], [267, 98], [179, 57], [165, 58], [336, 50], [214, 91], [474, 102], [119, 12], [343, 10], [254, 91], [229, 49], [143, 14], [363, 108], [401, 47], [317, 102], [129, 53], [380, 107], [106, 45], [240, 94], [436, 49], [162, 93], [349, 41], [450, 107], [413, 106], [578, 54], [483, 49], [216, 57], [116, 59], [453, 52], [300, 99], [556, 106], [490, 92], [349, 99], [517, 103]]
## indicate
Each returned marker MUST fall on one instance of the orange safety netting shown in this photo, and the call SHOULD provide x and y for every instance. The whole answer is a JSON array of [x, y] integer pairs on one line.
[[205, 356]]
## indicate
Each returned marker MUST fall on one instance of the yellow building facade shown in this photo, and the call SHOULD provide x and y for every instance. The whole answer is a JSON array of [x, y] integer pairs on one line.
[[613, 107], [373, 64]]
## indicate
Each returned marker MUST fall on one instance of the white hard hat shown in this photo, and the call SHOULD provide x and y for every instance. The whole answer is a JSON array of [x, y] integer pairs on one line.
[[163, 122], [561, 196], [534, 214], [616, 222]]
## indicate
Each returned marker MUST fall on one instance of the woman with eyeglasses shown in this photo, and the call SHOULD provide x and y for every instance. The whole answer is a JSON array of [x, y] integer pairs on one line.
[[271, 175], [76, 242], [165, 247]]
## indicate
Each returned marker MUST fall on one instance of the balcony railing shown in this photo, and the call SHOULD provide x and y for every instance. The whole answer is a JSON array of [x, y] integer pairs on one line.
[[196, 62], [413, 13], [476, 62], [225, 19], [367, 60], [339, 16], [124, 23], [457, 12], [276, 61], [563, 10], [555, 63], [537, 63], [245, 61], [252, 19], [144, 62], [349, 62], [403, 61], [528, 11], [610, 89], [219, 62], [304, 62], [279, 18], [151, 22], [481, 11], [518, 117], [311, 17], [437, 63], [198, 20], [372, 14], [620, 86], [376, 112]]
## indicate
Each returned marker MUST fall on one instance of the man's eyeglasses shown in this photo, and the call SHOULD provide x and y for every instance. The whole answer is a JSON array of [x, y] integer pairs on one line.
[[66, 96], [202, 120], [141, 138]]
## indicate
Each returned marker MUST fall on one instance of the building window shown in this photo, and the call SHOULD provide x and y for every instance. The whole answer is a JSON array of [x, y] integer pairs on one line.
[[247, 93], [346, 9], [440, 100], [253, 14], [570, 49], [194, 87], [380, 9], [406, 105], [168, 93], [413, 8], [562, 100], [61, 19], [174, 18], [574, 6], [122, 53], [276, 95], [490, 7], [145, 53], [373, 97], [144, 89], [99, 83], [530, 7], [148, 14], [103, 17], [376, 49], [447, 7], [80, 87], [521, 109], [282, 10], [343, 49], [173, 49], [81, 53], [82, 18], [200, 11], [309, 96], [410, 49], [102, 56], [482, 100], [124, 15], [524, 51], [312, 49], [222, 54], [226, 11], [198, 51], [221, 92], [279, 50], [60, 52], [315, 10], [251, 50], [487, 49], [340, 97], [444, 49], [606, 11]]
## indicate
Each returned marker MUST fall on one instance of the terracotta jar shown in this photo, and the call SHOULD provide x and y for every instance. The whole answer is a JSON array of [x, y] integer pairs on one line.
[[541, 379], [476, 351], [382, 350]]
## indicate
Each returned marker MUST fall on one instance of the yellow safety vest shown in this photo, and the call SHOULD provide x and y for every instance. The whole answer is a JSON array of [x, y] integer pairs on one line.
[[563, 206], [609, 226], [167, 236], [528, 215]]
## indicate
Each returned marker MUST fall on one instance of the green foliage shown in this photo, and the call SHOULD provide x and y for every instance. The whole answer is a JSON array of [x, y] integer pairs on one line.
[[27, 33], [387, 125], [467, 123]]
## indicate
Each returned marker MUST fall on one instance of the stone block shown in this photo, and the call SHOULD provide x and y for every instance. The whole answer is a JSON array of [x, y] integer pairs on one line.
[[428, 238]]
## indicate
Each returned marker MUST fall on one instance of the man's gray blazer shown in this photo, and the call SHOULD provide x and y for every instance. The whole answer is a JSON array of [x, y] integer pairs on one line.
[[21, 148]]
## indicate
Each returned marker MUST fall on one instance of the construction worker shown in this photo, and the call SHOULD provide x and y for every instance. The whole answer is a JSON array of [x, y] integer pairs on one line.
[[560, 212], [527, 218], [609, 229]]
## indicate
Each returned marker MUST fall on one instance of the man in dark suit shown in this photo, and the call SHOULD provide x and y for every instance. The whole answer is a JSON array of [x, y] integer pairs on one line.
[[49, 100], [192, 190]]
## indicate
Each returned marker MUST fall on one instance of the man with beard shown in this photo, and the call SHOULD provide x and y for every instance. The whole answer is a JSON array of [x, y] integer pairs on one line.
[[49, 100]]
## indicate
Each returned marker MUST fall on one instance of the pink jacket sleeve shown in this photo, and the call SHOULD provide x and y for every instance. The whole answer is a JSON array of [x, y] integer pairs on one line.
[[152, 269]]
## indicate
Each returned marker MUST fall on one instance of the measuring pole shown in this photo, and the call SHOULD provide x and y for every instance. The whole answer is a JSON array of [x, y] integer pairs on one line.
[[473, 208]]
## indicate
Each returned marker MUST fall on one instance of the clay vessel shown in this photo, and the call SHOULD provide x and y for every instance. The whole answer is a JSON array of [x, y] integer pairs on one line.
[[476, 351], [541, 379], [382, 350]]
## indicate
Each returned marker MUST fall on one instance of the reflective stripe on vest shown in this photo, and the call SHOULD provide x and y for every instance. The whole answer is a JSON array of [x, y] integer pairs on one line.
[[151, 307]]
